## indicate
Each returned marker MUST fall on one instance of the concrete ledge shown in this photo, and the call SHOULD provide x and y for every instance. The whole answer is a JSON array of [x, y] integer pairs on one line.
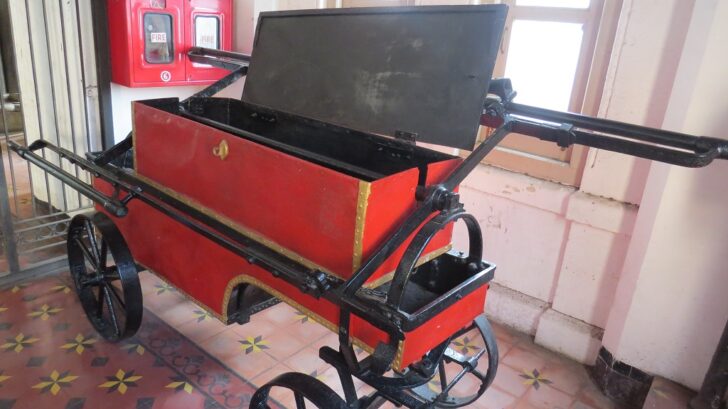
[[605, 214], [514, 309], [539, 193], [569, 336]]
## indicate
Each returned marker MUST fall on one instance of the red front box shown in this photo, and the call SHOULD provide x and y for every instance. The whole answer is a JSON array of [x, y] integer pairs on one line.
[[319, 216]]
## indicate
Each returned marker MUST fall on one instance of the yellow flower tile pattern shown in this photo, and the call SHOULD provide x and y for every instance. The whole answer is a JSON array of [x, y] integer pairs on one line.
[[44, 312], [121, 381], [71, 366], [3, 377], [20, 342], [466, 345], [61, 288], [134, 347], [202, 315], [55, 382], [534, 378], [163, 288], [301, 317], [253, 344], [18, 287], [79, 343], [179, 384]]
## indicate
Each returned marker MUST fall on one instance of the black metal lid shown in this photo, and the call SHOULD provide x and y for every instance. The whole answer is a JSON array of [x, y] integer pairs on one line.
[[422, 70]]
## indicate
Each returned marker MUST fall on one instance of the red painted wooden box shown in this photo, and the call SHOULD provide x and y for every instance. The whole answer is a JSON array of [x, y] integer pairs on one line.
[[275, 167]]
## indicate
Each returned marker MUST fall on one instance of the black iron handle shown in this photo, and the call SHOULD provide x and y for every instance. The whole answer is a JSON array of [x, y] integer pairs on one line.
[[112, 205], [567, 129], [218, 58]]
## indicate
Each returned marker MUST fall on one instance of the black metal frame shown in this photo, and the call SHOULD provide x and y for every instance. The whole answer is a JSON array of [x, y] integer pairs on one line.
[[384, 310]]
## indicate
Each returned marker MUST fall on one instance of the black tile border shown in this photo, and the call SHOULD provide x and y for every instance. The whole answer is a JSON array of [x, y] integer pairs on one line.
[[625, 385]]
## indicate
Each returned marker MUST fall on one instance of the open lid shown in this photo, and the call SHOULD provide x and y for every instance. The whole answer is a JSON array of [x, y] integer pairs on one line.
[[421, 70]]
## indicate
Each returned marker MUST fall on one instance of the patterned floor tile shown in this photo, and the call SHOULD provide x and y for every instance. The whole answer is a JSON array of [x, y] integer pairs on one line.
[[546, 397], [523, 359], [510, 380], [185, 357], [201, 330], [44, 365], [494, 398], [307, 361]]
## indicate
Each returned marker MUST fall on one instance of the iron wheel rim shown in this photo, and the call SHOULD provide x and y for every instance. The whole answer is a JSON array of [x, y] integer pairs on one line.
[[105, 276]]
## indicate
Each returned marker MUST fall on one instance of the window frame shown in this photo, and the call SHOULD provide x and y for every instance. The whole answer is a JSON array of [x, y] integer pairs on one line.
[[542, 159]]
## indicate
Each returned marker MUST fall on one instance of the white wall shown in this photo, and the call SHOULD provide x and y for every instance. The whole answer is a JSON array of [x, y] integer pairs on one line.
[[122, 97]]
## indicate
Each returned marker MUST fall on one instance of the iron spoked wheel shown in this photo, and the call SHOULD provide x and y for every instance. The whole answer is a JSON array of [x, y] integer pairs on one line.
[[443, 391], [105, 276], [304, 388]]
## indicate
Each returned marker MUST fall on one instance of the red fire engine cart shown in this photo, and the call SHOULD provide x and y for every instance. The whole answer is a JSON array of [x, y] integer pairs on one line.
[[312, 189]]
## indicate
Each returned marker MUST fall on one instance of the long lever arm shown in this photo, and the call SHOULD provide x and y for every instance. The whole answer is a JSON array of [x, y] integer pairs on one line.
[[567, 129]]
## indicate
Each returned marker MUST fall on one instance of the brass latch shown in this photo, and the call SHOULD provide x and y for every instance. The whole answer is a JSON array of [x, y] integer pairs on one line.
[[221, 150]]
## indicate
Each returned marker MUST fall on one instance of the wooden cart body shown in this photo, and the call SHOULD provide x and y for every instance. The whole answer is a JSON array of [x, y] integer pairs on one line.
[[325, 219], [312, 188]]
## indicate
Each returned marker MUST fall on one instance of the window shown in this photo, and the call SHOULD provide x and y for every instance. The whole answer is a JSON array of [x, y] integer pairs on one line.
[[556, 53], [207, 32], [158, 40]]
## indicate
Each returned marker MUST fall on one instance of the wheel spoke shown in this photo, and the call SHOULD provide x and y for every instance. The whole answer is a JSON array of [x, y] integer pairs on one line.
[[87, 253], [443, 375], [88, 281], [112, 274], [300, 402], [100, 303], [104, 251], [92, 239], [112, 311], [116, 295]]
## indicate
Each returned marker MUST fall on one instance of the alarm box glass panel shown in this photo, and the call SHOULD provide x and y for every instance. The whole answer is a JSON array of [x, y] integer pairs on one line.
[[208, 26], [207, 31], [158, 38]]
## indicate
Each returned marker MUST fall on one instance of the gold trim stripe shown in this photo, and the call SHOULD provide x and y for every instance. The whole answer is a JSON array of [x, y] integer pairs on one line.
[[133, 136], [362, 202], [237, 227], [271, 244], [246, 279]]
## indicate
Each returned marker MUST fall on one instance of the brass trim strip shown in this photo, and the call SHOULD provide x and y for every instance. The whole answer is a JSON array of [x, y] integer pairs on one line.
[[240, 229], [362, 202], [273, 245], [133, 136], [246, 279]]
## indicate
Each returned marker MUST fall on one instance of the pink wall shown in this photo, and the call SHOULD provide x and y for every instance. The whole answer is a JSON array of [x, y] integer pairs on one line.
[[672, 304], [572, 251]]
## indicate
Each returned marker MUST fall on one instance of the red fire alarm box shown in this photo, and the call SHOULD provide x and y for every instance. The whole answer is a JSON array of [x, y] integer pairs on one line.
[[150, 38]]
